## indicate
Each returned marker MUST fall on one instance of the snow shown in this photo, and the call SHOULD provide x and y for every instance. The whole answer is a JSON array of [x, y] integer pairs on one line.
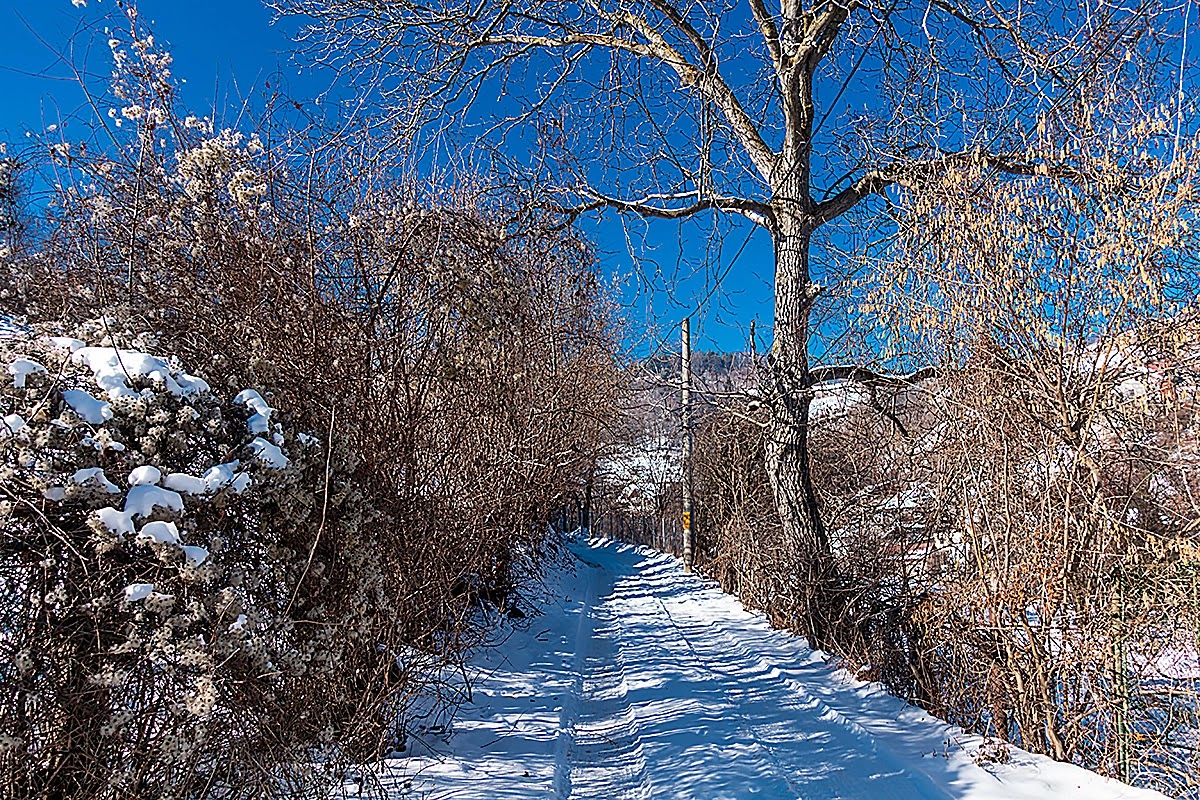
[[186, 484], [214, 479], [65, 343], [836, 399], [268, 453], [95, 477], [1131, 389], [646, 682], [642, 472], [22, 368], [141, 591], [138, 591], [260, 420], [195, 554], [240, 623], [98, 445], [145, 476], [89, 409], [1179, 661], [11, 424], [908, 498], [119, 522], [161, 532], [220, 476], [142, 500], [112, 368]]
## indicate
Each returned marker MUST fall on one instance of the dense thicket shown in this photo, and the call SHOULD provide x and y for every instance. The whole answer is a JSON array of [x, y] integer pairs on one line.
[[1041, 594], [446, 358]]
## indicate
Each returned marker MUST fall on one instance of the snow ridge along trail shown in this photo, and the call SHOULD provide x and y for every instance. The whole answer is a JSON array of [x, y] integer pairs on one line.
[[645, 682]]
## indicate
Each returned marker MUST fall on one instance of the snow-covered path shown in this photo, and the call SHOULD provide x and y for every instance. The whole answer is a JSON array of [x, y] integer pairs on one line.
[[646, 682]]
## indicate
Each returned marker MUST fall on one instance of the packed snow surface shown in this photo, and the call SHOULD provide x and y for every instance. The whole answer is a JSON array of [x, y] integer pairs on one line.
[[646, 682]]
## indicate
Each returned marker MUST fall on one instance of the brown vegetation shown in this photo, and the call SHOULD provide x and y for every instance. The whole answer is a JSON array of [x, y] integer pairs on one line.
[[446, 360], [1015, 532]]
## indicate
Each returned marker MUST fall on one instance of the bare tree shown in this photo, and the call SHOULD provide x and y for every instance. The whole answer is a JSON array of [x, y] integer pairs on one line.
[[791, 117]]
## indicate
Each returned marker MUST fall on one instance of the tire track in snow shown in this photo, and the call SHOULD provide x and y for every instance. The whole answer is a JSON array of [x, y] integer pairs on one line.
[[771, 687], [609, 759], [645, 682], [569, 712], [754, 758], [806, 743]]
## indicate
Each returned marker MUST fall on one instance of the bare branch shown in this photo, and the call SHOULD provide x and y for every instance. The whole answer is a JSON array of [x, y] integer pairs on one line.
[[652, 206], [876, 181], [770, 32], [868, 377], [821, 32]]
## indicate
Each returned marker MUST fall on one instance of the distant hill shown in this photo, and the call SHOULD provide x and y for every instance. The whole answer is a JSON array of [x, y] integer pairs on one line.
[[709, 363]]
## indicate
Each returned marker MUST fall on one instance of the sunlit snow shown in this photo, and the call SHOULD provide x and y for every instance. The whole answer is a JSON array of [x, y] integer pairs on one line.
[[646, 682]]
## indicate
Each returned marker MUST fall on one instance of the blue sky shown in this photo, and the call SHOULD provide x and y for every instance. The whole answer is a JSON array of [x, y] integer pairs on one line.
[[223, 52], [220, 46]]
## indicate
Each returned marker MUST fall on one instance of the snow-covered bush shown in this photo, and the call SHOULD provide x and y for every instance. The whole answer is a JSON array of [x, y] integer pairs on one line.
[[169, 625]]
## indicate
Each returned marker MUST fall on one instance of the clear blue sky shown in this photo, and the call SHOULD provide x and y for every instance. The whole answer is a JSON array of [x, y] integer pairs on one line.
[[225, 49]]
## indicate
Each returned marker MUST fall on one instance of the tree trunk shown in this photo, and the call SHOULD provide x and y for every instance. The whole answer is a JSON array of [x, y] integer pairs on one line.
[[787, 445]]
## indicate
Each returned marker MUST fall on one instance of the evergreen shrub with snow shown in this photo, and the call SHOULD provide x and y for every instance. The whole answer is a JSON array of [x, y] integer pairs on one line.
[[175, 623]]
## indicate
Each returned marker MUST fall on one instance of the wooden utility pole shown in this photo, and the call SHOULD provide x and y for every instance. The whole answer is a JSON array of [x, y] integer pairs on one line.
[[686, 406]]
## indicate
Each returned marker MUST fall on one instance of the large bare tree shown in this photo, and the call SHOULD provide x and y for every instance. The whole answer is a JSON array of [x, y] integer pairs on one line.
[[791, 116]]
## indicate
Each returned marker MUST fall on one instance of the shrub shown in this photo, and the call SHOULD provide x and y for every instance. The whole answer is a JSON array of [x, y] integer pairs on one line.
[[179, 623], [453, 355]]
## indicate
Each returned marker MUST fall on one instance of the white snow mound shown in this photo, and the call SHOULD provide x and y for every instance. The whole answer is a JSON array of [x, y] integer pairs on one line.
[[111, 368]]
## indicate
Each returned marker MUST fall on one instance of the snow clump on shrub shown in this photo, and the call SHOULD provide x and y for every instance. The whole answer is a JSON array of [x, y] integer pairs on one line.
[[169, 620]]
